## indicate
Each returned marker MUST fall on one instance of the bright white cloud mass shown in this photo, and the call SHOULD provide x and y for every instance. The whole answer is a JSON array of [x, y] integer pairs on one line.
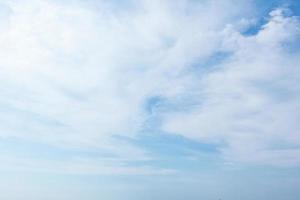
[[85, 80]]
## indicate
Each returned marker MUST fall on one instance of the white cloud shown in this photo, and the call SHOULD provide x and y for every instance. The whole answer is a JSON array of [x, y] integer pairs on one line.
[[250, 101], [76, 74]]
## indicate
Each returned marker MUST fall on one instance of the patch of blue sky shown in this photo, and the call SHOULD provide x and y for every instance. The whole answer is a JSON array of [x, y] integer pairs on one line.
[[172, 145], [200, 68], [293, 46], [294, 5], [156, 106], [183, 103], [271, 173], [175, 152], [153, 103], [210, 63], [25, 148], [40, 150], [263, 8], [254, 28]]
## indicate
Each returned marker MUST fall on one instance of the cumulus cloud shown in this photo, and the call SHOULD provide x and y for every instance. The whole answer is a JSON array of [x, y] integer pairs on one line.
[[77, 74], [250, 101]]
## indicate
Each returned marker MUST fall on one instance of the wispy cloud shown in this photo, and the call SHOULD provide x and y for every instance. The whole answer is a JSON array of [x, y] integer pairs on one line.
[[75, 75]]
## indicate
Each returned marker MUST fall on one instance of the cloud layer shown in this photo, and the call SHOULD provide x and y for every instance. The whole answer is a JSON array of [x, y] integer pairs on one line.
[[76, 75]]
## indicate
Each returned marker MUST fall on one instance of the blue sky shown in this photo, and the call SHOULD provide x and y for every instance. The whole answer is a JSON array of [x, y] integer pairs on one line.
[[149, 99]]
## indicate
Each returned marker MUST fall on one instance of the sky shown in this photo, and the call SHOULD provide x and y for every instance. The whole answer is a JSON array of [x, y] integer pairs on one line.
[[149, 99]]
